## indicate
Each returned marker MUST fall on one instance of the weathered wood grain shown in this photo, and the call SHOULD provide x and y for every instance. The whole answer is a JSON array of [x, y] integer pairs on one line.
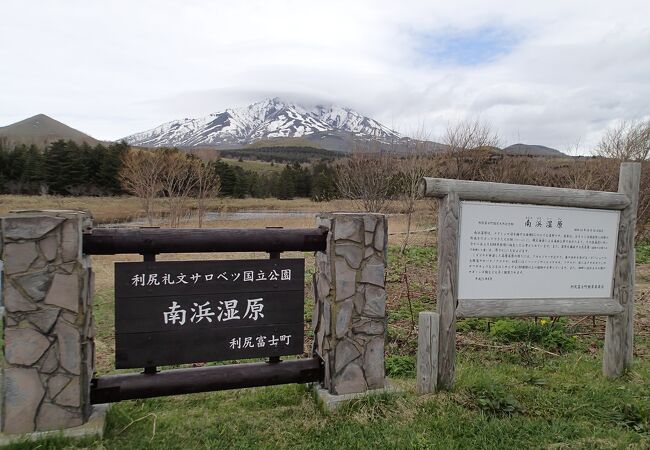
[[518, 193], [127, 386], [113, 241], [620, 309], [448, 224], [619, 335], [427, 363], [538, 307]]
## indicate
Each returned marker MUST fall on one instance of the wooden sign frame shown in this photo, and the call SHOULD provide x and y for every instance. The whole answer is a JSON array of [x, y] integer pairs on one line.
[[618, 346]]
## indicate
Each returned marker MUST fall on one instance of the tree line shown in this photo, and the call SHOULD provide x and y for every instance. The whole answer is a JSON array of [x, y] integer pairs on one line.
[[63, 168], [317, 181], [71, 169]]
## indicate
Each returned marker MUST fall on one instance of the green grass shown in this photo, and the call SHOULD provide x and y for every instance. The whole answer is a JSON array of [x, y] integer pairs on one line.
[[254, 165], [510, 392], [643, 254], [560, 403], [414, 257]]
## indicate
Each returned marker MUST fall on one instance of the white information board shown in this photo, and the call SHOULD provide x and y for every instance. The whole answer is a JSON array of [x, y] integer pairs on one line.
[[514, 251]]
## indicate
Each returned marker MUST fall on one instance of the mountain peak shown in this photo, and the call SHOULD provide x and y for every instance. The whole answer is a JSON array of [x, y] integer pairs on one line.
[[41, 130], [266, 119]]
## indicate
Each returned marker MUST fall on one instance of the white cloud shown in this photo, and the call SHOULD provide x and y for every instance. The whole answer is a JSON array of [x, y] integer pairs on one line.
[[114, 68]]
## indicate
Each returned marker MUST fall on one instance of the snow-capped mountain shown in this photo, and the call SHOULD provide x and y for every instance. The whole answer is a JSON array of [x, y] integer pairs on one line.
[[271, 118]]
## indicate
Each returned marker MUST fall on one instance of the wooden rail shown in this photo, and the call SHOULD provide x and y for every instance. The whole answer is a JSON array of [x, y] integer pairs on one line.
[[113, 241], [553, 307], [519, 193], [116, 388]]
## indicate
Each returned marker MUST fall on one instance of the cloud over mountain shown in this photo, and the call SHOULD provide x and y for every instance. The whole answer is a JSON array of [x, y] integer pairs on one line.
[[267, 119]]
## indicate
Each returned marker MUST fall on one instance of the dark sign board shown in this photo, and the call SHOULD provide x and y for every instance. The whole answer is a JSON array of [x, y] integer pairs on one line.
[[177, 312]]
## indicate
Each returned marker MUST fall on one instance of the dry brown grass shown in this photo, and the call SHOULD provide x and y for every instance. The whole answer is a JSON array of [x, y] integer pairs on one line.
[[103, 265], [104, 268], [125, 208], [106, 210], [103, 209]]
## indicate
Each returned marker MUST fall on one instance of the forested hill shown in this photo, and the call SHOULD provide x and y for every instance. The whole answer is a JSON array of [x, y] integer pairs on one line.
[[287, 154]]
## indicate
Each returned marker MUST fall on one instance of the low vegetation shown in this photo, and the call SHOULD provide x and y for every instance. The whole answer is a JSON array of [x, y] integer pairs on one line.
[[367, 176], [525, 383], [520, 383]]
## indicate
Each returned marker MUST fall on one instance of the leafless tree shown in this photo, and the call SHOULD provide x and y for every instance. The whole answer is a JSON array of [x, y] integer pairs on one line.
[[585, 172], [179, 179], [367, 178], [464, 141], [208, 186], [626, 141], [412, 167], [141, 176]]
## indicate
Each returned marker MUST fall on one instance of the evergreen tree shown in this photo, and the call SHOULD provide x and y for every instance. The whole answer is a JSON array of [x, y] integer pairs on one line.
[[301, 180], [228, 177], [241, 187], [3, 168], [74, 172], [90, 162], [55, 160], [323, 180], [286, 184], [110, 164], [34, 171]]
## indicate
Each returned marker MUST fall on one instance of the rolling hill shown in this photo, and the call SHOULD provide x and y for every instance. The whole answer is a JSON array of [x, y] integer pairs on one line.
[[41, 130], [531, 150]]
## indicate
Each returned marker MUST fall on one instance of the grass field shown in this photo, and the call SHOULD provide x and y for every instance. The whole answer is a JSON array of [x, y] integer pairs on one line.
[[111, 210], [520, 384], [255, 165]]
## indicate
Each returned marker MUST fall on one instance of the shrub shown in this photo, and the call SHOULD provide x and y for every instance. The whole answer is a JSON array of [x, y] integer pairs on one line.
[[643, 254], [400, 366], [546, 333], [493, 399], [472, 324]]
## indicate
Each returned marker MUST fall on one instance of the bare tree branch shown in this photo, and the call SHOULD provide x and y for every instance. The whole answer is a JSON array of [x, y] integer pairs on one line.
[[626, 141], [208, 186], [367, 179], [141, 175], [178, 180], [464, 140]]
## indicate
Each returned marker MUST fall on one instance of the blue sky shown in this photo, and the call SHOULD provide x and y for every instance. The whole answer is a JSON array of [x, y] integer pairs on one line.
[[553, 73], [470, 47]]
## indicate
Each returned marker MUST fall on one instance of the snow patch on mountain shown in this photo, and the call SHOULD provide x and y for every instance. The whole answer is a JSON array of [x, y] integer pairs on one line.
[[270, 118]]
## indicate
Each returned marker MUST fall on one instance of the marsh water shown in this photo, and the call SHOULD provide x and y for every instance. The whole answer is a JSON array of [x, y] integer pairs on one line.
[[234, 216]]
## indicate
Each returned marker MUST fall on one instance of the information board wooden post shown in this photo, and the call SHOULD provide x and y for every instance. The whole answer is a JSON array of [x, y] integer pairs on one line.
[[619, 333], [427, 363], [579, 261], [447, 299]]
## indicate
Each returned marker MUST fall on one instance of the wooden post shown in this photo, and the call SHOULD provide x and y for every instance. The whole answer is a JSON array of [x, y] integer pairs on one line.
[[619, 334], [448, 222], [427, 365]]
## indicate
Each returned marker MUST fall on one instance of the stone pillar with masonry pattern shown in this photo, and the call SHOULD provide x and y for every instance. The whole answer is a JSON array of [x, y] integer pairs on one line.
[[47, 325], [349, 319]]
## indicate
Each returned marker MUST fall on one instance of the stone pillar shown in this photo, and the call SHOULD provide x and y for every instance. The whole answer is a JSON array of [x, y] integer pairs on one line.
[[350, 302], [47, 324]]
